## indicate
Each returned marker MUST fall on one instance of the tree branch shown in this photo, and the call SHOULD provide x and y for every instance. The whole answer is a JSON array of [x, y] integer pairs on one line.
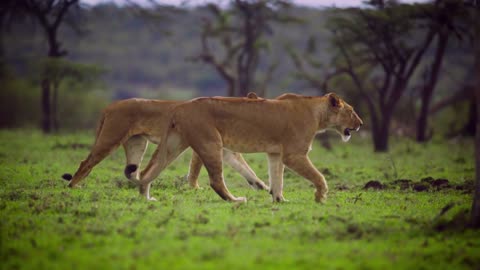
[[65, 5]]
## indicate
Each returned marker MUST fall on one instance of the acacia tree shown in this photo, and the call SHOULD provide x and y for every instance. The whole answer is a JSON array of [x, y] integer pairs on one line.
[[376, 51], [441, 18], [232, 41], [10, 11], [50, 14], [58, 71], [308, 68]]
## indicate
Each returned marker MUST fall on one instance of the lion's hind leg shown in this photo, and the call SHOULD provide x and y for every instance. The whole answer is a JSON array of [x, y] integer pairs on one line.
[[238, 163], [235, 160], [98, 153], [108, 139], [135, 148], [166, 153], [210, 151]]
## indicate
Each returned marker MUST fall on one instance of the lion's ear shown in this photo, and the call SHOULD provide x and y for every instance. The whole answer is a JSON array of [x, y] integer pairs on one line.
[[333, 99], [252, 95]]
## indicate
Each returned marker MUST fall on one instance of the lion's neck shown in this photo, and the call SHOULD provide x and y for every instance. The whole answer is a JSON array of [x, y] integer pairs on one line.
[[321, 114]]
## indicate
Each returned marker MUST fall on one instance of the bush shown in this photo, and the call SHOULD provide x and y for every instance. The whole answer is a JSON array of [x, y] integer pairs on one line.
[[20, 105]]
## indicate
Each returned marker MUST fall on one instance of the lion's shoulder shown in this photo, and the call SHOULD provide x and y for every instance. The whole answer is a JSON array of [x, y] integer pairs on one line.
[[219, 99], [292, 96]]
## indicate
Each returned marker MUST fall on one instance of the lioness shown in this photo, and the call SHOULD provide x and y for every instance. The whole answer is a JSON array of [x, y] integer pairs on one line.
[[284, 128], [133, 123]]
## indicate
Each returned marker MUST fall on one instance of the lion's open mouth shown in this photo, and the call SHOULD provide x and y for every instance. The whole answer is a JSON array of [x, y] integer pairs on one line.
[[347, 131]]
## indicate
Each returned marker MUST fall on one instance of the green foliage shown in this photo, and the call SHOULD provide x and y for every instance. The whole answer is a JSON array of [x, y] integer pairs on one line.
[[79, 110], [79, 103], [136, 53], [105, 224], [138, 60], [57, 70], [19, 103]]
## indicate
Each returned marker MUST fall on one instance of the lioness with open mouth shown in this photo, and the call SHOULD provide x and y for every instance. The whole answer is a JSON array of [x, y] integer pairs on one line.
[[283, 128]]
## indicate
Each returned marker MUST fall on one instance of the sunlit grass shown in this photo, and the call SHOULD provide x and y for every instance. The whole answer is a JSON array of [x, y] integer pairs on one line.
[[105, 224]]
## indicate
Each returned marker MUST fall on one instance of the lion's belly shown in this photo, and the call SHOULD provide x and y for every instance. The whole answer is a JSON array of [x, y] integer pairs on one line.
[[246, 145], [250, 135], [154, 139]]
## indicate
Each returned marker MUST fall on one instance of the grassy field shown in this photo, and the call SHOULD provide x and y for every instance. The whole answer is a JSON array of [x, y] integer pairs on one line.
[[105, 224]]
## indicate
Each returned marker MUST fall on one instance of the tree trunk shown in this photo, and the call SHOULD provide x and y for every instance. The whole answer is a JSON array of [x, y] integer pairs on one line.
[[476, 198], [46, 106], [231, 88], [469, 129], [423, 115], [380, 133], [54, 107], [427, 93], [380, 140], [49, 113], [3, 65], [245, 56]]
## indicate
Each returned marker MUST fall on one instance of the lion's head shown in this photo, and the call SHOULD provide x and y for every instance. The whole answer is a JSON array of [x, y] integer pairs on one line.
[[342, 118]]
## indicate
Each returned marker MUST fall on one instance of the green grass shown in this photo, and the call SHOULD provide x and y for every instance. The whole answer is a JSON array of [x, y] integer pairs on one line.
[[105, 224]]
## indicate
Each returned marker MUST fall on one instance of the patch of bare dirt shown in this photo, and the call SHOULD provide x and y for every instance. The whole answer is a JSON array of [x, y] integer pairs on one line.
[[374, 184], [425, 184], [341, 187], [419, 187], [403, 183], [71, 146]]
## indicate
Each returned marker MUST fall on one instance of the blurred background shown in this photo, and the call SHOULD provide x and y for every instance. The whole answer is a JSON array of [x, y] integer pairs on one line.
[[407, 67]]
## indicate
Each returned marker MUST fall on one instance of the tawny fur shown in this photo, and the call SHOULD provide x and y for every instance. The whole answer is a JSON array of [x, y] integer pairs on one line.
[[133, 123], [284, 128]]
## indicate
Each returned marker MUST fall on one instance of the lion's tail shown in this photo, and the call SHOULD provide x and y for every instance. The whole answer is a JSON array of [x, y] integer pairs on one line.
[[99, 127], [68, 176]]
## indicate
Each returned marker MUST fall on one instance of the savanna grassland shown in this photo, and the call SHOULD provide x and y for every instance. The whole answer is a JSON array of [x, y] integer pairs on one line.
[[401, 222]]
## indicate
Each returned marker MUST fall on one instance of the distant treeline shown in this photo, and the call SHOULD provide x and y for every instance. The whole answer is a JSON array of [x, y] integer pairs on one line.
[[151, 57], [149, 53]]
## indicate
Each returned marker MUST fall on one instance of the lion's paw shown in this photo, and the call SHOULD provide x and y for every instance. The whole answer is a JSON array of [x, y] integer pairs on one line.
[[320, 197], [259, 185], [240, 199], [279, 199]]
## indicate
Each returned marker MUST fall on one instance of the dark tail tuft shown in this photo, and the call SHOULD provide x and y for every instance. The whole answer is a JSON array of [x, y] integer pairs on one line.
[[130, 168], [67, 177]]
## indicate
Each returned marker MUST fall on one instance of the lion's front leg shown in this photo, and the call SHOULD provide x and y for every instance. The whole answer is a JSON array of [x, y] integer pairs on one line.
[[194, 170], [275, 172], [302, 165]]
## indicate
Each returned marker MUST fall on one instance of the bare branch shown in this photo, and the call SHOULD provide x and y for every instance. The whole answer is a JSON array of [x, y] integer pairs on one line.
[[64, 6]]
